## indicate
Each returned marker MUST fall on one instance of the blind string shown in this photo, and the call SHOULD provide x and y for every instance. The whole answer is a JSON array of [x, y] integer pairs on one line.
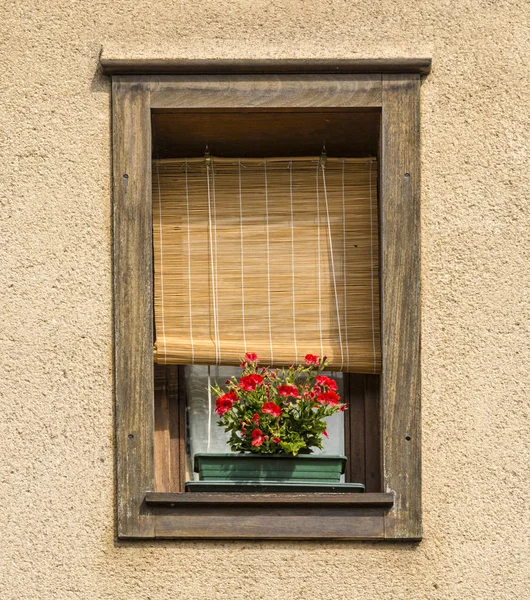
[[161, 261], [332, 262], [292, 258], [242, 255], [216, 289], [189, 259], [344, 267], [210, 233], [319, 273], [372, 270], [268, 259]]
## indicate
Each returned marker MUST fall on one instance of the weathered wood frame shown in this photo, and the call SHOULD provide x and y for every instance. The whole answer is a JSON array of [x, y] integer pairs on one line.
[[396, 512]]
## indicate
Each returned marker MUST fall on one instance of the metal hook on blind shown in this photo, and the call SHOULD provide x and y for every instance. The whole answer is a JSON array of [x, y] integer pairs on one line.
[[323, 156]]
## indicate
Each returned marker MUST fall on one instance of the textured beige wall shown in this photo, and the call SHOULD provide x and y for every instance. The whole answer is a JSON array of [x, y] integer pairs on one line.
[[56, 454]]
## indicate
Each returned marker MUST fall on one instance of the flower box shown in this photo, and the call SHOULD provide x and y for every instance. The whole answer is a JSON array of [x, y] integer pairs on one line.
[[272, 468]]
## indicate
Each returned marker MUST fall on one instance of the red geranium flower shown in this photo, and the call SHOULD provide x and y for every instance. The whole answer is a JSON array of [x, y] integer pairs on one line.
[[311, 359], [257, 437], [325, 433], [272, 409], [250, 382], [288, 390], [327, 381], [224, 403], [330, 398], [255, 419], [276, 440], [251, 357]]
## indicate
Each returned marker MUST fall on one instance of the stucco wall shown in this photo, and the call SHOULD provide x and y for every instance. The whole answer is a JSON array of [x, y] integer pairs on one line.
[[57, 535]]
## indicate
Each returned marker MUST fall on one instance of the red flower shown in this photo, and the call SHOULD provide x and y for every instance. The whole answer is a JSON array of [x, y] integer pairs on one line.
[[224, 403], [327, 381], [311, 359], [325, 433], [342, 407], [257, 437], [272, 409], [251, 357], [255, 419], [250, 382], [330, 398], [276, 440], [288, 390]]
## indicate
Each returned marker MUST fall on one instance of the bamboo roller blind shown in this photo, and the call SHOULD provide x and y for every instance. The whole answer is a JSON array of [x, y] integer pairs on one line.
[[277, 256]]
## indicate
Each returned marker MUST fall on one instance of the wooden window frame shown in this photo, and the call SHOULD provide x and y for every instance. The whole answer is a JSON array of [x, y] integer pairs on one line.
[[393, 87]]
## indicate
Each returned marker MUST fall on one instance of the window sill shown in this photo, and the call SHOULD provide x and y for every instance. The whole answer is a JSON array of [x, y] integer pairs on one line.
[[283, 499], [287, 516]]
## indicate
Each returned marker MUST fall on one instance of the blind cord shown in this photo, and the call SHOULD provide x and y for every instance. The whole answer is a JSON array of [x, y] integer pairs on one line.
[[344, 268], [216, 288], [319, 273], [292, 258], [189, 262], [214, 282], [333, 261], [242, 261], [161, 262], [268, 260]]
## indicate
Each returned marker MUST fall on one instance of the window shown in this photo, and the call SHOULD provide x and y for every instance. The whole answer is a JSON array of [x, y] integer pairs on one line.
[[390, 92]]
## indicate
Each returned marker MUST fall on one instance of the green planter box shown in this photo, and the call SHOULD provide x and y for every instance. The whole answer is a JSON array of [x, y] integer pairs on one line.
[[239, 468]]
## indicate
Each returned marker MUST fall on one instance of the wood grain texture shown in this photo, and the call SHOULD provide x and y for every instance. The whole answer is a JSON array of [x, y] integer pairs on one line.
[[177, 426], [400, 291], [287, 522], [110, 66], [372, 433], [162, 460], [133, 309], [354, 430], [167, 441], [362, 431], [261, 91], [165, 499]]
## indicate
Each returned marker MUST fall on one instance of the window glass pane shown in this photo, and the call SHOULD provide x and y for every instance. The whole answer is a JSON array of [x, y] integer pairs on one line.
[[205, 435]]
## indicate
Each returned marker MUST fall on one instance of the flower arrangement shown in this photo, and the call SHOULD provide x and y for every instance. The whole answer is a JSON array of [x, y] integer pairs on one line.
[[277, 411]]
